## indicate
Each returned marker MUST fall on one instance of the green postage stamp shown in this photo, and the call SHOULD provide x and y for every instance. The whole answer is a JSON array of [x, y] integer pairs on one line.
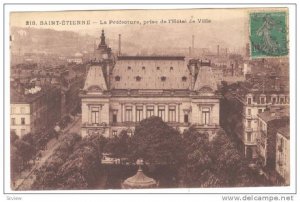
[[268, 34]]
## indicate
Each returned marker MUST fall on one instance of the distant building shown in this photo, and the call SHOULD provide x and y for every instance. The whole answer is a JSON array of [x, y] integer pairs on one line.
[[119, 93], [283, 154], [33, 110], [77, 58]]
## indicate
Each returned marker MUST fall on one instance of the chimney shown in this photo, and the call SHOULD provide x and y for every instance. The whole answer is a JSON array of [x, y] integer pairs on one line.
[[218, 50], [193, 44], [119, 52]]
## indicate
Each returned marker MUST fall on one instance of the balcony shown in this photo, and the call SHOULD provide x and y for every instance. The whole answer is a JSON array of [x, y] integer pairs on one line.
[[247, 129], [249, 116], [94, 125]]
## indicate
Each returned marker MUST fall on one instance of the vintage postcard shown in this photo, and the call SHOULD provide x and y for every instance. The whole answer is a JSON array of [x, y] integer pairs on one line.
[[150, 99]]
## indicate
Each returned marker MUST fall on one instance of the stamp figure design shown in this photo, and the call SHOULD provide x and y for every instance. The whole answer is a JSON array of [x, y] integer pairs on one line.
[[268, 34]]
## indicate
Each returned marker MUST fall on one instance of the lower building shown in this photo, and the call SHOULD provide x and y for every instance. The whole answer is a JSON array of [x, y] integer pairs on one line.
[[268, 124], [283, 155]]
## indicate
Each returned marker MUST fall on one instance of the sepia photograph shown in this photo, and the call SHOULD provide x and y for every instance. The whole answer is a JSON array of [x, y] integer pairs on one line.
[[150, 99]]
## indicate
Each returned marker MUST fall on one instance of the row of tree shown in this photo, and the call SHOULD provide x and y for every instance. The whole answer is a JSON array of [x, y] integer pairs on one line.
[[73, 165], [25, 149]]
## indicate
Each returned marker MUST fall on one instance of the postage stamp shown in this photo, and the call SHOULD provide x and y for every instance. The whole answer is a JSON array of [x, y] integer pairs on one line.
[[268, 34]]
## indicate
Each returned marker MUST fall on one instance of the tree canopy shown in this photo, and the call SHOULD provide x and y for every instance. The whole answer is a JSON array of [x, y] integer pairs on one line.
[[156, 142]]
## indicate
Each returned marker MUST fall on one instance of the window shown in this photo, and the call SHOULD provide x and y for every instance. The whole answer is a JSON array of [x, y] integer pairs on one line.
[[171, 68], [260, 111], [249, 136], [249, 124], [114, 133], [128, 67], [157, 68], [249, 100], [12, 110], [172, 114], [163, 78], [274, 100], [114, 118], [184, 78], [281, 100], [128, 114], [117, 78], [23, 121], [186, 118], [150, 111], [143, 67], [13, 121], [205, 115], [139, 113], [262, 100], [22, 110], [161, 112], [95, 115], [249, 112]]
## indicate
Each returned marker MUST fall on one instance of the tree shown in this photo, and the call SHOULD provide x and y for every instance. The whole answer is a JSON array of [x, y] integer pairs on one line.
[[157, 143], [197, 161], [47, 176], [118, 146], [15, 162], [26, 151], [13, 137]]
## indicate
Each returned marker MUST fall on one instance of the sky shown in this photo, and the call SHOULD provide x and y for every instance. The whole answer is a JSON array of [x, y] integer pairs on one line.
[[228, 28]]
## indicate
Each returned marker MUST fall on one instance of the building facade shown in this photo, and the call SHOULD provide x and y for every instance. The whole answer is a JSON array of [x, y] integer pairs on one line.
[[268, 124], [243, 102], [283, 154], [120, 92]]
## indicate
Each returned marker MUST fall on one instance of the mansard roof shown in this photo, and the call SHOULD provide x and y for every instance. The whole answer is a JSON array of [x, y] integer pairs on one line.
[[150, 72], [95, 80], [205, 80]]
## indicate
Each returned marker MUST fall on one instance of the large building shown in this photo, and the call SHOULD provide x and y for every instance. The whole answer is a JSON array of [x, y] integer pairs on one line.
[[120, 92], [243, 102]]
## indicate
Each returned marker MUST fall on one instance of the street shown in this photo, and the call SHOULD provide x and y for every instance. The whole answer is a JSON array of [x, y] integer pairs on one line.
[[27, 177]]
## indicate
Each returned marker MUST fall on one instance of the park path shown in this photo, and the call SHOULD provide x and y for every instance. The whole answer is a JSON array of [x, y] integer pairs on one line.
[[27, 177]]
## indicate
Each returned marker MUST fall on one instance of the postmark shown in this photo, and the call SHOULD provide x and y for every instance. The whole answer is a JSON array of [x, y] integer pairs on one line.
[[268, 34]]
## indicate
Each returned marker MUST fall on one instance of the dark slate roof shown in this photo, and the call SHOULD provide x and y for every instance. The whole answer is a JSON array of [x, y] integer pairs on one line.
[[153, 73], [274, 114]]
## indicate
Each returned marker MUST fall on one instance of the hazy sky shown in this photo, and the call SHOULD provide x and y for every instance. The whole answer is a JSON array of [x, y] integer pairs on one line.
[[227, 27]]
